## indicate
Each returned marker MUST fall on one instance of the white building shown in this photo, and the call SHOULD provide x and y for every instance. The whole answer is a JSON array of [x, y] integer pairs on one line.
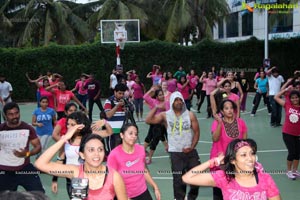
[[246, 19]]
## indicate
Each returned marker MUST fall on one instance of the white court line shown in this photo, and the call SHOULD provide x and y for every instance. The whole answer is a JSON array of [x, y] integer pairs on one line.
[[207, 154], [162, 178]]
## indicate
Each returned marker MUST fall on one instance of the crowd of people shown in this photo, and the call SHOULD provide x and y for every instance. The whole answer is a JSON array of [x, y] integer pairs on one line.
[[103, 150]]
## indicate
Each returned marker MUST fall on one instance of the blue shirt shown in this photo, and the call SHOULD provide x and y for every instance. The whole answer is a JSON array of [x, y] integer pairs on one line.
[[262, 85], [46, 118]]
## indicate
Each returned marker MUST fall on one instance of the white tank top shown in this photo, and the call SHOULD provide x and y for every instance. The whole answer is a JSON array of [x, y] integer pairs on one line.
[[72, 154]]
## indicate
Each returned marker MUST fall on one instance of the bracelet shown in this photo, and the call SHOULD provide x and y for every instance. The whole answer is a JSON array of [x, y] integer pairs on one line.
[[27, 154]]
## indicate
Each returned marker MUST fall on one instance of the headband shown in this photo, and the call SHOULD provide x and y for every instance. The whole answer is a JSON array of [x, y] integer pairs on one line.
[[240, 145]]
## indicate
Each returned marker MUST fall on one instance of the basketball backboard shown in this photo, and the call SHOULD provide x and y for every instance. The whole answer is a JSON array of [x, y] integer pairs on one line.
[[108, 30]]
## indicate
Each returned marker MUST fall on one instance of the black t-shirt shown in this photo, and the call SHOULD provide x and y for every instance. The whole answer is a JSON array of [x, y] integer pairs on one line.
[[244, 83]]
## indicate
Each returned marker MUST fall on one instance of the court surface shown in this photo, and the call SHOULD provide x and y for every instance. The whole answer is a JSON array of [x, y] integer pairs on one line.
[[272, 152]]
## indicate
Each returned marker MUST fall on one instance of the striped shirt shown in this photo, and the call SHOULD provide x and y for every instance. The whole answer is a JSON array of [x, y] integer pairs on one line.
[[116, 121]]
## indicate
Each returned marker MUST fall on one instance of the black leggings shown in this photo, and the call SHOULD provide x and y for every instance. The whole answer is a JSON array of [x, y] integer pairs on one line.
[[156, 133], [292, 143], [144, 196], [202, 97]]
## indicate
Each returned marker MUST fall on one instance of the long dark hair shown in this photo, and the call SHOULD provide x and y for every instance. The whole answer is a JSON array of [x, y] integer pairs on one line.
[[230, 155], [81, 118]]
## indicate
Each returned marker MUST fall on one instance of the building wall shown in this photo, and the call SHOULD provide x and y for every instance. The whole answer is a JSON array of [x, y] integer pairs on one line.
[[258, 23]]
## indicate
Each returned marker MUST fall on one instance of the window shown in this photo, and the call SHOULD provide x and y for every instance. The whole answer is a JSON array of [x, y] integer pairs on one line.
[[281, 21], [221, 28], [247, 23], [232, 25]]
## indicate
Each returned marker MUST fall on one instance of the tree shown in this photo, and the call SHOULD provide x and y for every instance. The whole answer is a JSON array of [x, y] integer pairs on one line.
[[48, 20]]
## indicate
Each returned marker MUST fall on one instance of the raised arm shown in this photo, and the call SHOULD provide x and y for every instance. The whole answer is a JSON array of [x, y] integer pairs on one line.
[[156, 119], [238, 85], [288, 82], [96, 127], [45, 163], [149, 75], [197, 175], [278, 95]]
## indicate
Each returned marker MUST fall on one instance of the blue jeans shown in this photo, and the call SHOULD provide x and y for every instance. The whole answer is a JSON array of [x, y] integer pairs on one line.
[[276, 111]]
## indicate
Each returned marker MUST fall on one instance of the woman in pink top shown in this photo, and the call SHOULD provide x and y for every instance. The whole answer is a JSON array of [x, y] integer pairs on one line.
[[155, 75], [156, 132], [82, 92], [129, 160], [224, 130], [241, 177], [138, 93], [290, 129], [63, 97], [185, 89], [193, 82], [41, 83], [172, 82], [225, 93], [103, 182], [164, 88], [210, 84]]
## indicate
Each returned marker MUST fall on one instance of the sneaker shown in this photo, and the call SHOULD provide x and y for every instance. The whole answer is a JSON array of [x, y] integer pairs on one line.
[[269, 113], [278, 124], [252, 115], [290, 175], [198, 111], [296, 174]]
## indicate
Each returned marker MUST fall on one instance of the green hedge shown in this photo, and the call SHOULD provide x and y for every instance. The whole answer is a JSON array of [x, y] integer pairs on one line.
[[71, 61]]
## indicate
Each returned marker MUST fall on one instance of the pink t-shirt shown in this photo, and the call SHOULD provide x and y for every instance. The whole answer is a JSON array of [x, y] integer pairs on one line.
[[62, 98], [49, 95], [292, 119], [172, 85], [211, 84], [80, 87], [221, 145], [107, 191], [203, 87], [193, 80], [266, 187], [234, 97], [63, 125], [131, 167], [153, 102], [138, 91], [184, 91]]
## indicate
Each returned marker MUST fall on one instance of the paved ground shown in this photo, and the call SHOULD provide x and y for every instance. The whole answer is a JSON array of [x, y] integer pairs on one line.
[[271, 153]]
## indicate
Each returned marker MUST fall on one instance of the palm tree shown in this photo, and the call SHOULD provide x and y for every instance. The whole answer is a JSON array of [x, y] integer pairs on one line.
[[49, 20], [116, 9], [206, 14], [196, 17]]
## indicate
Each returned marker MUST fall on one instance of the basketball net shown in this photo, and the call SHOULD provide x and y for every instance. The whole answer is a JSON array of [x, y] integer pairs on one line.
[[121, 42]]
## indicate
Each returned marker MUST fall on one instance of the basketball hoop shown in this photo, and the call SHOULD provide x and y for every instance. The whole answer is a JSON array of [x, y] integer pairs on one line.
[[120, 34], [121, 42]]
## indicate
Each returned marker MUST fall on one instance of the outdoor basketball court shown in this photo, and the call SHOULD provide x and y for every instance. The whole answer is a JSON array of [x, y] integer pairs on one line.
[[271, 153]]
